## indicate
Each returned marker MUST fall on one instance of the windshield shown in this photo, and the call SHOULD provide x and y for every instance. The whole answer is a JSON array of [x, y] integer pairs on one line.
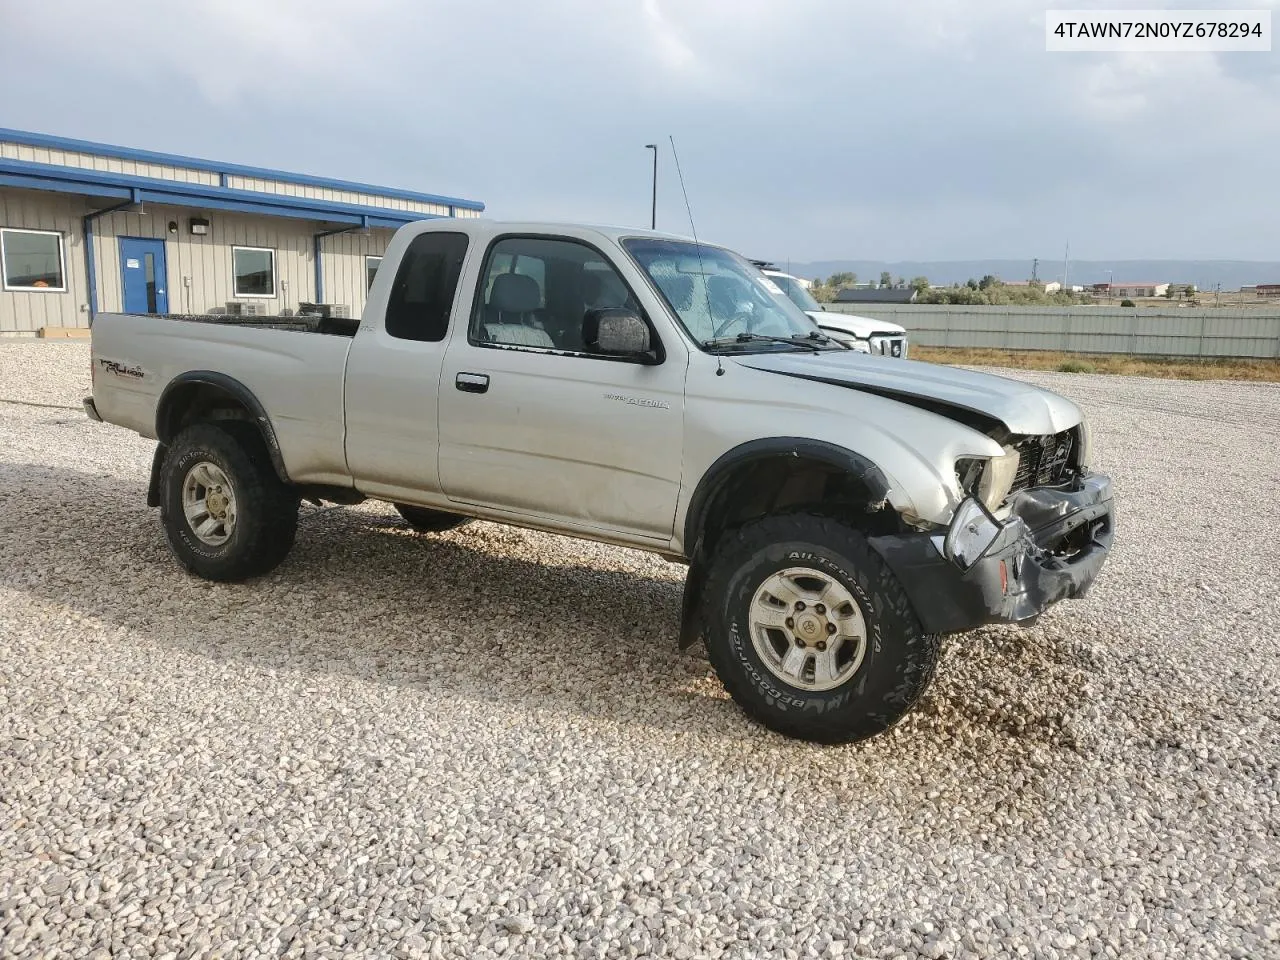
[[717, 294], [795, 292]]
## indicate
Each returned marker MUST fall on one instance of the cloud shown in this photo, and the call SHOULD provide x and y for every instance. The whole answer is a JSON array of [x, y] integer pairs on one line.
[[672, 50], [813, 129]]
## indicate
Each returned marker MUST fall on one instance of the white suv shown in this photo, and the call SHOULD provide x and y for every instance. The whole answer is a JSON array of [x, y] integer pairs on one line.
[[864, 334]]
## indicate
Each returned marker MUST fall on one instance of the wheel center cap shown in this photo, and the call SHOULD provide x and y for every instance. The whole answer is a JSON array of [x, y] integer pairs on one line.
[[809, 628], [217, 504]]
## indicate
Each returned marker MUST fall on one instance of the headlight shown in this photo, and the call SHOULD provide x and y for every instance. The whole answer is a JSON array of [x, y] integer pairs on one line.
[[994, 477], [1086, 445], [847, 339]]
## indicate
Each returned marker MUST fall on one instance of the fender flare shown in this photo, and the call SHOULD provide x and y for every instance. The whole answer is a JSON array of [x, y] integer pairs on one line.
[[719, 474], [211, 378]]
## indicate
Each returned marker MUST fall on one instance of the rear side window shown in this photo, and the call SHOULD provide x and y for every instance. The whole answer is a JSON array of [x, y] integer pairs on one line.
[[422, 293]]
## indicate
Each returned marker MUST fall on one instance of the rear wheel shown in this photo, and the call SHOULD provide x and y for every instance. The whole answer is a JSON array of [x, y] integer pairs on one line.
[[810, 631], [425, 520], [226, 513]]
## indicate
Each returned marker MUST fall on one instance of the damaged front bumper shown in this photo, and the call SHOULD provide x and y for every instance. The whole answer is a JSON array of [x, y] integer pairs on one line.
[[1050, 548]]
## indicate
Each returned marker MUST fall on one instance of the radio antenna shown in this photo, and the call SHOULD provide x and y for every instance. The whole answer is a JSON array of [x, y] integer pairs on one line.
[[698, 247], [680, 174]]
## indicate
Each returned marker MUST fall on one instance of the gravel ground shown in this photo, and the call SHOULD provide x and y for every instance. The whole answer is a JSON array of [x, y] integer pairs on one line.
[[372, 752]]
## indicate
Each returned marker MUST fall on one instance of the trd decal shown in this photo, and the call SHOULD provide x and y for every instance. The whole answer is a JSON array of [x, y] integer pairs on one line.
[[122, 369]]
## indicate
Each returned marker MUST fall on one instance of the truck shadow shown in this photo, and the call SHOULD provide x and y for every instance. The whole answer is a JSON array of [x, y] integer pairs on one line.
[[486, 612], [471, 612]]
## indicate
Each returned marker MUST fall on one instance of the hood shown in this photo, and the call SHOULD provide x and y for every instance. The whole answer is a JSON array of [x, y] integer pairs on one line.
[[950, 391], [861, 327]]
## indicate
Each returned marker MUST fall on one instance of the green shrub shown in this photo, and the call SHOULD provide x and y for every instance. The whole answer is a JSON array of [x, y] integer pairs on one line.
[[1076, 366], [1127, 303]]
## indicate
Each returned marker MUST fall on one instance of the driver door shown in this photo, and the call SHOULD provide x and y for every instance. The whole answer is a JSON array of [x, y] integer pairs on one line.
[[533, 424]]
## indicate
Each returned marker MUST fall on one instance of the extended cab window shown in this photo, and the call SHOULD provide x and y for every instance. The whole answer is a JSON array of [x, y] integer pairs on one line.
[[536, 292], [422, 292]]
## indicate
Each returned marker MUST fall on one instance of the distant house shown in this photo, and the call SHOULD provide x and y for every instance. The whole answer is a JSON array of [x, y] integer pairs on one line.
[[1267, 290], [1182, 289], [878, 295], [1130, 289], [1053, 286]]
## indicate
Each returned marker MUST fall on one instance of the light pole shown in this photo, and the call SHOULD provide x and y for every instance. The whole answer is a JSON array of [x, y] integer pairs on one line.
[[653, 213], [1110, 273]]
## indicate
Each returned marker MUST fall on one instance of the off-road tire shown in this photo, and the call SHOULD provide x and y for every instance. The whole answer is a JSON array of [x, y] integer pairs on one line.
[[900, 657], [267, 508], [425, 520]]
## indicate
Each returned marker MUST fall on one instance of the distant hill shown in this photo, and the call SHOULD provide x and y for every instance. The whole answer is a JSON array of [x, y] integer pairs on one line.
[[1232, 274]]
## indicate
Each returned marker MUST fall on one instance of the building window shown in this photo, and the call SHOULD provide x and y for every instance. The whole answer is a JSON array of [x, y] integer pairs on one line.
[[32, 260], [253, 271], [371, 265]]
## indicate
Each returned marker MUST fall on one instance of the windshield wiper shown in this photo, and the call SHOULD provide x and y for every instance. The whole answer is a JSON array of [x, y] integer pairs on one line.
[[808, 341], [821, 338]]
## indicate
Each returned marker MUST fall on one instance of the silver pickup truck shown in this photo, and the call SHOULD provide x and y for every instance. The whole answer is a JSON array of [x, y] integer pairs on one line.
[[837, 512]]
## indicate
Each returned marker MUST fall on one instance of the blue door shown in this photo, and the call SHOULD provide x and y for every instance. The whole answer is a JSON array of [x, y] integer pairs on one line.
[[142, 266]]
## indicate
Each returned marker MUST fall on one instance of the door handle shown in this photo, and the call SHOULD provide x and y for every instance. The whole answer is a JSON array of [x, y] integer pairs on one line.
[[472, 382]]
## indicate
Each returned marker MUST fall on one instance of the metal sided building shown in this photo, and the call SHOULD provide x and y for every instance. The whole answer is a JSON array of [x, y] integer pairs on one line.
[[89, 228]]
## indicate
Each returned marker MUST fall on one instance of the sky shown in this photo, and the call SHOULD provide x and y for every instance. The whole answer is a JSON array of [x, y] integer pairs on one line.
[[806, 129]]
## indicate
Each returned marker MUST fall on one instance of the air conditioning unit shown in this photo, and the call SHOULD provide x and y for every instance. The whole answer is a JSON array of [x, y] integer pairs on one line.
[[335, 311], [247, 308]]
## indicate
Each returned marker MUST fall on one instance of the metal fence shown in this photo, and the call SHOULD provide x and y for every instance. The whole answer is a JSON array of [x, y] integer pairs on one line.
[[1130, 330]]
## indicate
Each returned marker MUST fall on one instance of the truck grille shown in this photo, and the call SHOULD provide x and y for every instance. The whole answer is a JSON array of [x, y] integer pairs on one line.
[[889, 344], [1044, 461]]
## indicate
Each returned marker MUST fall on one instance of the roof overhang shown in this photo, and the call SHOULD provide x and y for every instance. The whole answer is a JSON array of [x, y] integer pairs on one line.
[[28, 175], [91, 148]]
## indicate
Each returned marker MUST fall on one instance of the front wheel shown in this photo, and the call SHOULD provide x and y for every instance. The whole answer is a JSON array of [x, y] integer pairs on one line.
[[810, 631]]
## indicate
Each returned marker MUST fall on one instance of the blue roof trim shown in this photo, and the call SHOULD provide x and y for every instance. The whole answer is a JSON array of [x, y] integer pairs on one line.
[[25, 182], [44, 176], [194, 163]]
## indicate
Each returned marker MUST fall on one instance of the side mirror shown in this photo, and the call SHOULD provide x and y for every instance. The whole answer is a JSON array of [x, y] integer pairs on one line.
[[616, 332]]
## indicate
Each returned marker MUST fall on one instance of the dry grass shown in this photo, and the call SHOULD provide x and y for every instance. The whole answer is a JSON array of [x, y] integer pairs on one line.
[[1168, 368], [1204, 300]]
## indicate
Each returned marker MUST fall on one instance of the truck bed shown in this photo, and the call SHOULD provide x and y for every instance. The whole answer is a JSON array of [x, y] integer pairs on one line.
[[305, 323], [293, 365]]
